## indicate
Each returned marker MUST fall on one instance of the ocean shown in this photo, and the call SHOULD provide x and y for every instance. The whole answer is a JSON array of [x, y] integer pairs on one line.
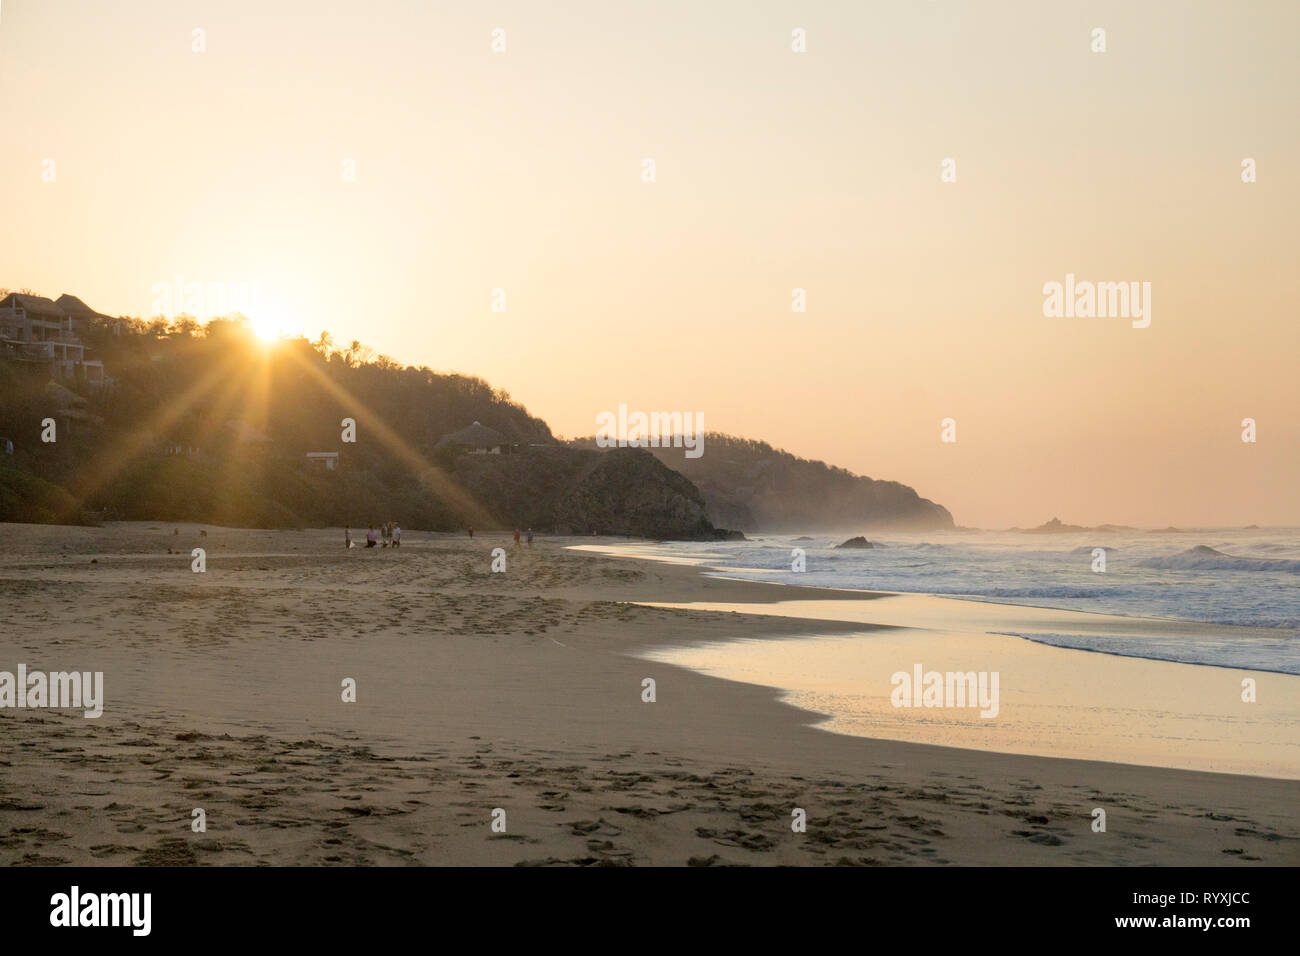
[[1239, 578], [1183, 652]]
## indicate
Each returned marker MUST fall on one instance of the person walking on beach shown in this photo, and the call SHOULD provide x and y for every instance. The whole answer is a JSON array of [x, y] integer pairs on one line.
[[397, 535], [471, 532], [347, 536], [530, 537], [516, 537], [370, 537]]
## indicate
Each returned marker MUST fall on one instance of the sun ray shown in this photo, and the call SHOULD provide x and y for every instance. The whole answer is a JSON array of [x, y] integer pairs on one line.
[[433, 478], [252, 386], [110, 463], [233, 377]]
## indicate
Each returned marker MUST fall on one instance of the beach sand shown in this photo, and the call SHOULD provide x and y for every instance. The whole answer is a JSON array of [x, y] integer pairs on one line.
[[519, 691]]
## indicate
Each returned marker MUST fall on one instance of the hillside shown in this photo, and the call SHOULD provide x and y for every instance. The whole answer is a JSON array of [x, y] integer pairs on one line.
[[580, 491], [751, 486], [210, 425]]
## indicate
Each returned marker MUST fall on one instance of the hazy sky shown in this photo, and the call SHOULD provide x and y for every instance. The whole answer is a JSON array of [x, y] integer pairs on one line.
[[775, 170]]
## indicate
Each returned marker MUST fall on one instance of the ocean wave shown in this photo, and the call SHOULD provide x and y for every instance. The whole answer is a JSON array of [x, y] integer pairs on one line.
[[1037, 592], [1149, 580], [1272, 546], [1278, 656], [1205, 558]]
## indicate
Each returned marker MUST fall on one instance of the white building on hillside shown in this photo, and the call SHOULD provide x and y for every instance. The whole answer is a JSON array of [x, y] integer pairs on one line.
[[34, 329]]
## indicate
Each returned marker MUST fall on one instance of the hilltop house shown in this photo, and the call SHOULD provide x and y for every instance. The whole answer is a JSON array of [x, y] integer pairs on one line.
[[35, 330], [476, 439], [79, 313]]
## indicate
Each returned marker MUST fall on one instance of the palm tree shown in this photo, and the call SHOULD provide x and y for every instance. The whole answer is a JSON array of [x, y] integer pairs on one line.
[[358, 354], [322, 344]]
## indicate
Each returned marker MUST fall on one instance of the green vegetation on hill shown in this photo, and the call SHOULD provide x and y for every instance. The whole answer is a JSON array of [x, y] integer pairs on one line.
[[580, 491], [210, 425], [26, 498]]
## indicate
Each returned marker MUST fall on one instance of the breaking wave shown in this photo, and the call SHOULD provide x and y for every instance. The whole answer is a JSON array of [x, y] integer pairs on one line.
[[1204, 558]]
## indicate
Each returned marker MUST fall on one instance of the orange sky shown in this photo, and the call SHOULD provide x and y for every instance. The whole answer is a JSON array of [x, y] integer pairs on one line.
[[775, 170]]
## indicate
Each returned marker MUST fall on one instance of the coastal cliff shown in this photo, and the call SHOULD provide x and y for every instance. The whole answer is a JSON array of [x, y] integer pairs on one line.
[[752, 486]]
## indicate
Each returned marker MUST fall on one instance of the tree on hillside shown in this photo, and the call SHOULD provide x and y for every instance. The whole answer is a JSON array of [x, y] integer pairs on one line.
[[358, 354], [247, 416], [185, 327]]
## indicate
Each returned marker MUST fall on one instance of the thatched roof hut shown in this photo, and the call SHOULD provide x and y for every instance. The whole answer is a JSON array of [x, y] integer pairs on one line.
[[76, 309], [36, 306]]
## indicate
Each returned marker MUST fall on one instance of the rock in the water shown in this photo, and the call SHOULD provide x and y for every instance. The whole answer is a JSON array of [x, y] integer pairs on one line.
[[858, 542]]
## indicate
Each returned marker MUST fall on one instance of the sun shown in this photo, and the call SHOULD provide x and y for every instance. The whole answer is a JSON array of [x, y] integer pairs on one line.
[[267, 328]]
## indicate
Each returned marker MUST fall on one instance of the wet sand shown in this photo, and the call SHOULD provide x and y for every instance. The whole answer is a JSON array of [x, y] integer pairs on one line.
[[519, 691], [1051, 701]]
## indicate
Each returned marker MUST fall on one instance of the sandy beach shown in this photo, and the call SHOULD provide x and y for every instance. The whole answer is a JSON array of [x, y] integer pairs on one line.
[[520, 691]]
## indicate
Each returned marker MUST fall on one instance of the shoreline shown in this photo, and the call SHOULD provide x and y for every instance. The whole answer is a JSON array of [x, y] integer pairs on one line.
[[1141, 710], [722, 573], [516, 690]]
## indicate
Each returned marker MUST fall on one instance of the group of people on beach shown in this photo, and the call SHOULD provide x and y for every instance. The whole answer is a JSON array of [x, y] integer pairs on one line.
[[390, 534]]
